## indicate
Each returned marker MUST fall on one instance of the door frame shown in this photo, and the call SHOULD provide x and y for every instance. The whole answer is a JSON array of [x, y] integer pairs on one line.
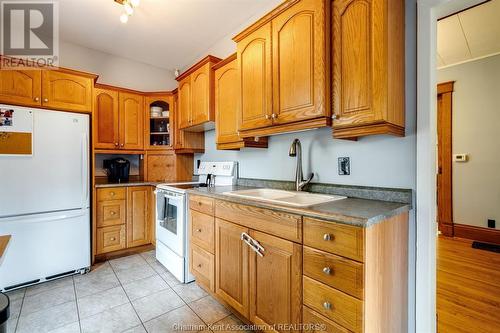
[[428, 11], [444, 157]]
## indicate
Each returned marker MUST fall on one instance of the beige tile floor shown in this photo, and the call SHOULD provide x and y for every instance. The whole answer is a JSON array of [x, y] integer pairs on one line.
[[131, 294]]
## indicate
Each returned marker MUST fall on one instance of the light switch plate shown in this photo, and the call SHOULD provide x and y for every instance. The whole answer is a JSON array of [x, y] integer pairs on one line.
[[460, 157]]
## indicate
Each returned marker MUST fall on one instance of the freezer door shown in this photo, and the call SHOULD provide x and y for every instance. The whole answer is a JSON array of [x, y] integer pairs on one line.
[[44, 245], [56, 177]]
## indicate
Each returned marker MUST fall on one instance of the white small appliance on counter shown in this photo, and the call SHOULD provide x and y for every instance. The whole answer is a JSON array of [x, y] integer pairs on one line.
[[172, 223]]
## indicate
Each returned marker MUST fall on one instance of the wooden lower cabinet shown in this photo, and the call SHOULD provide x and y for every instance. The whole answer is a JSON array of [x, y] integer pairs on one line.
[[286, 272], [123, 218], [275, 282], [110, 239], [231, 273], [138, 215]]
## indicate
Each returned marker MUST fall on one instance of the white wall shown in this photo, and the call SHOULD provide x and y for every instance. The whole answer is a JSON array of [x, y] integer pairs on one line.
[[116, 71], [476, 119]]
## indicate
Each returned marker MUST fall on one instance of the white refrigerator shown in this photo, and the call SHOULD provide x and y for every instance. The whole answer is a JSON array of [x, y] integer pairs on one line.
[[44, 201]]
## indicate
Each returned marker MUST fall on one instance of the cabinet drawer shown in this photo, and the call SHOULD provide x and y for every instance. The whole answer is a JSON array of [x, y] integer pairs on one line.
[[112, 193], [202, 230], [333, 304], [202, 266], [281, 224], [110, 213], [201, 204], [110, 239], [341, 273], [314, 322], [341, 239]]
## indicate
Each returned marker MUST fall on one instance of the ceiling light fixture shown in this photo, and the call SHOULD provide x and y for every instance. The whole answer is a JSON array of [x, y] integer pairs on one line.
[[128, 6]]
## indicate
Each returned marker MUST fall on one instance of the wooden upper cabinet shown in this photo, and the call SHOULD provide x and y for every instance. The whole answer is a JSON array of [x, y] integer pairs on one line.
[[368, 68], [105, 118], [138, 215], [196, 96], [66, 91], [227, 107], [131, 110], [285, 70], [275, 281], [254, 62], [21, 87], [231, 271], [300, 62], [185, 142], [201, 110], [184, 103]]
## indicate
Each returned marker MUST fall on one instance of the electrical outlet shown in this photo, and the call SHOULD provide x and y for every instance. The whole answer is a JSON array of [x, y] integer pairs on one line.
[[491, 223], [344, 166]]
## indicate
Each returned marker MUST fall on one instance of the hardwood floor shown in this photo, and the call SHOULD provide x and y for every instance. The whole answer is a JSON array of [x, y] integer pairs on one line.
[[468, 287]]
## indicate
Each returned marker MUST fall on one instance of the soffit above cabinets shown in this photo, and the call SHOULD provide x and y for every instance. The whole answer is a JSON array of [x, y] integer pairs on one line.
[[167, 34], [469, 35]]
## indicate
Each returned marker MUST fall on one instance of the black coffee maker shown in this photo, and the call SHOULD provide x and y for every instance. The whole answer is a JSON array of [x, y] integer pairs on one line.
[[118, 169]]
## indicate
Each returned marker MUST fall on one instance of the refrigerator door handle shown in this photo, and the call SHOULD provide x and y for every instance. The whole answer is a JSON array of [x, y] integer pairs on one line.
[[85, 168], [44, 217]]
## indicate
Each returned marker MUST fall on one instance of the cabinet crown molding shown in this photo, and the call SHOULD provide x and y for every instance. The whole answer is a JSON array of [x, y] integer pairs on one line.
[[192, 69]]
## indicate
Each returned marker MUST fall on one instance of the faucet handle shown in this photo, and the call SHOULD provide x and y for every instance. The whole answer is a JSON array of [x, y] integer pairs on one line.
[[305, 182]]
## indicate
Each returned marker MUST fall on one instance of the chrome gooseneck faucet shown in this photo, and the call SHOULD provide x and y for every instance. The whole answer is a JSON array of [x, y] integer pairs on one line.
[[296, 150]]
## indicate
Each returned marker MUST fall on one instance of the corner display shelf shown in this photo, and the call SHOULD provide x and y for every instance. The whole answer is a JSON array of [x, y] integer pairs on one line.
[[158, 131]]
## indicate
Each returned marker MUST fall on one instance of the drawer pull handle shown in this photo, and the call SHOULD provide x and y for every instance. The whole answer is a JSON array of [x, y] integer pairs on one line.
[[327, 237], [112, 194], [327, 305], [112, 238], [327, 270], [198, 230]]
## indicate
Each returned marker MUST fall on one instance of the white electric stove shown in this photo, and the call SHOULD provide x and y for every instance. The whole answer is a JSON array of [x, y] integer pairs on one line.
[[172, 223]]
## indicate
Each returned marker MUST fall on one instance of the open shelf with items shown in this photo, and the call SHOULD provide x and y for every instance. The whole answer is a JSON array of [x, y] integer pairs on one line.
[[159, 110]]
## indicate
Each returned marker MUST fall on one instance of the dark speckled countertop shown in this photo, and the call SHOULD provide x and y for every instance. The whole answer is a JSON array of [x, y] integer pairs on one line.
[[353, 211]]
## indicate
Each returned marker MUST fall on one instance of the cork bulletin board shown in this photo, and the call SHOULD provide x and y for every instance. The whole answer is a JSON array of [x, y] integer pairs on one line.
[[16, 131]]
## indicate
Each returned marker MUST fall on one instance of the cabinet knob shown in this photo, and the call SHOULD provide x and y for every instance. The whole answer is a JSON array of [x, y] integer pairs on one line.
[[45, 100], [327, 270], [327, 237], [198, 230], [116, 144], [112, 194], [37, 99], [199, 265], [327, 305], [274, 116], [121, 144], [335, 117], [267, 116], [113, 213], [112, 238]]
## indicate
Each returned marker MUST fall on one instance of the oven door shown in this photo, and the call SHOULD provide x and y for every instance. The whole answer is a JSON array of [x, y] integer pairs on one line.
[[171, 220]]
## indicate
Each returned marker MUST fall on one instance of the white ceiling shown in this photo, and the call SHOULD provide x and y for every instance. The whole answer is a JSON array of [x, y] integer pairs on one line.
[[165, 33], [469, 35]]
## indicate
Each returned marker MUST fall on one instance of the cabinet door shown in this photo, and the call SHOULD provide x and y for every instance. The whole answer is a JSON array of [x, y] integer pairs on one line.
[[184, 103], [161, 167], [105, 116], [138, 218], [21, 87], [353, 62], [254, 62], [275, 281], [66, 91], [131, 121], [231, 272], [300, 66], [227, 97], [201, 110]]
